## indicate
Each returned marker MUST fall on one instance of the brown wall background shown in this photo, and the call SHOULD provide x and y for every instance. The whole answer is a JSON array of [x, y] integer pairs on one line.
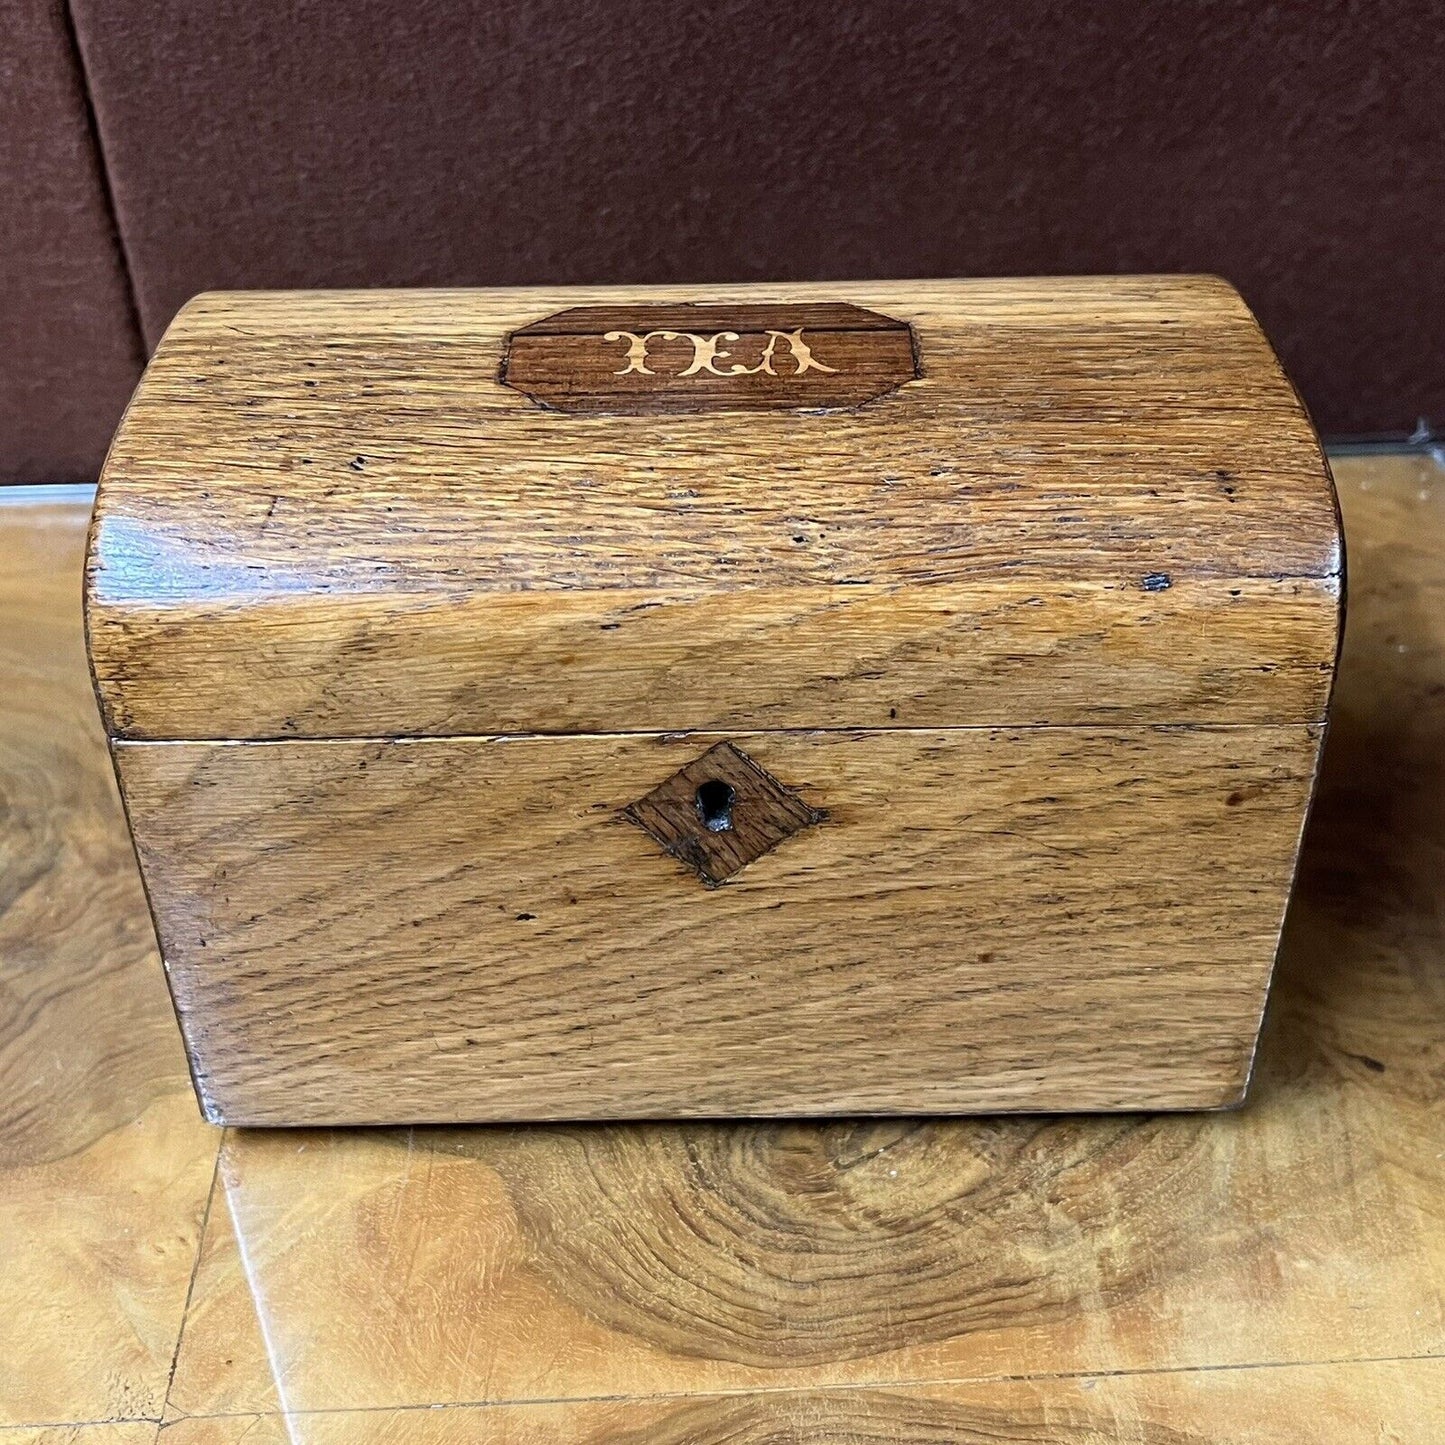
[[70, 350], [1298, 149]]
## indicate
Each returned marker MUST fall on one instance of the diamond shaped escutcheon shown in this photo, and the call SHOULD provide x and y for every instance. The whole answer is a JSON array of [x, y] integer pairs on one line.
[[720, 813]]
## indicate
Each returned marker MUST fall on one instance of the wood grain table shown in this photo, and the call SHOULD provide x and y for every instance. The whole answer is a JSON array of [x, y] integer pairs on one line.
[[1274, 1275]]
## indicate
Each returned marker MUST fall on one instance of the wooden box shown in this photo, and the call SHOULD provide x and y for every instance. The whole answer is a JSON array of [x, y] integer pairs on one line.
[[737, 700]]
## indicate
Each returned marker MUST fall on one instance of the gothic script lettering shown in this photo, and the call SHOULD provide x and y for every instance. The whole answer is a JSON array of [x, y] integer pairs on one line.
[[708, 351]]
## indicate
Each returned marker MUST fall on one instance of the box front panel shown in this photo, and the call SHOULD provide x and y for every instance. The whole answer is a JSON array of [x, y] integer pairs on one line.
[[477, 929]]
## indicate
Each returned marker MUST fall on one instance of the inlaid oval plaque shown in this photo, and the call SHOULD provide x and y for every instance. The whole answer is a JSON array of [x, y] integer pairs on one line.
[[682, 357]]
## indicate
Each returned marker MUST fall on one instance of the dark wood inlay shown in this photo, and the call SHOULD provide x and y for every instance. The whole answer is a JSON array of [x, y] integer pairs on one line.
[[721, 812], [687, 358]]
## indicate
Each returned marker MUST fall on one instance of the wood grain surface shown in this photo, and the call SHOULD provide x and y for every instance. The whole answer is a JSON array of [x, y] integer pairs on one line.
[[104, 1167], [125, 1432], [1272, 1276], [471, 929], [324, 516], [1246, 650], [1304, 1405]]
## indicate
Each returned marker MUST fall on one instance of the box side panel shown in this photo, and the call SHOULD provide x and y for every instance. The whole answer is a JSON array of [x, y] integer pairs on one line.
[[471, 929]]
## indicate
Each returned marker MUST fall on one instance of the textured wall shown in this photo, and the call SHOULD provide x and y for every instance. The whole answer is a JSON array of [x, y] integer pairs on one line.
[[69, 349], [1297, 148]]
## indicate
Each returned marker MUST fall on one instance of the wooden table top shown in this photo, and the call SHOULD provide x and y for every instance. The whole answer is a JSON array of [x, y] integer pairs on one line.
[[1274, 1275]]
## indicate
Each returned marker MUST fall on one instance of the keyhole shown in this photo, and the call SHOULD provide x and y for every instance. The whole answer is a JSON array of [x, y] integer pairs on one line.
[[715, 805]]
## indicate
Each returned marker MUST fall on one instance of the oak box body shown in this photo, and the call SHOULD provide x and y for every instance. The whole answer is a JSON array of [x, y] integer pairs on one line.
[[881, 697]]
